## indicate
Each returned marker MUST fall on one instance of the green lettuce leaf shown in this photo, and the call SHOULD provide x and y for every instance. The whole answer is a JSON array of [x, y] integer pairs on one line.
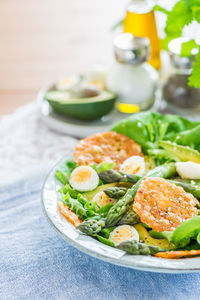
[[70, 165], [79, 205], [182, 235], [104, 166], [67, 189], [104, 240], [105, 232], [64, 171], [61, 176], [185, 231], [147, 128], [189, 138]]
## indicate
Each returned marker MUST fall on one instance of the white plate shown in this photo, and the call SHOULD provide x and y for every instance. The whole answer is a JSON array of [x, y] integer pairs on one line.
[[99, 250]]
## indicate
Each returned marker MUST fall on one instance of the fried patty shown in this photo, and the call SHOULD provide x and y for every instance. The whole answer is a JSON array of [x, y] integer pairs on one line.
[[178, 254], [68, 214], [163, 205], [109, 146]]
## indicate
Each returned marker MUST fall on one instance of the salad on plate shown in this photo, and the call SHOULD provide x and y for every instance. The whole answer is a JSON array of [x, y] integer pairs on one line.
[[137, 187]]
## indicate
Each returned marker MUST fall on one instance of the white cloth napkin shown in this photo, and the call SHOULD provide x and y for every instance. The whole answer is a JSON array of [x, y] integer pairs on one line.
[[26, 144]]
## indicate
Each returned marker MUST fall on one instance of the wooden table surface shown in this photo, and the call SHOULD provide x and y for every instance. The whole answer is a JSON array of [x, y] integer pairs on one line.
[[42, 40]]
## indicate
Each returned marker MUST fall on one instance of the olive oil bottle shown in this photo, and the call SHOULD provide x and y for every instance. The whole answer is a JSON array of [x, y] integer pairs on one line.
[[140, 21]]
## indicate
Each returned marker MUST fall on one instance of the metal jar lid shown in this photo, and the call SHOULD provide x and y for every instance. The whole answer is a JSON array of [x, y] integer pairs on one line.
[[130, 49], [181, 62]]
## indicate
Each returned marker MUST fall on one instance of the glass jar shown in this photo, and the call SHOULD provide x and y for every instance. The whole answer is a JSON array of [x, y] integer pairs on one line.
[[178, 95], [132, 78], [140, 21]]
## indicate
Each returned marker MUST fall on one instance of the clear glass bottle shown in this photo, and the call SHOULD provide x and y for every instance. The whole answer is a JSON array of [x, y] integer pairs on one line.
[[178, 95], [140, 21], [132, 78]]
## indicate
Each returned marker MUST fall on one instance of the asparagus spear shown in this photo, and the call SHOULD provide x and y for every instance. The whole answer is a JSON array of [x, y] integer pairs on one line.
[[110, 176], [165, 171], [130, 218], [119, 209], [137, 248], [115, 192], [91, 226]]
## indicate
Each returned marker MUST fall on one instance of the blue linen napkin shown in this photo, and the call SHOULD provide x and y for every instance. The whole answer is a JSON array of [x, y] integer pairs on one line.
[[35, 263]]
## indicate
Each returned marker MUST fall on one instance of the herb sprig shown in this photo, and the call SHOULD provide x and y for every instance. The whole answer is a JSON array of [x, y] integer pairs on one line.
[[183, 13]]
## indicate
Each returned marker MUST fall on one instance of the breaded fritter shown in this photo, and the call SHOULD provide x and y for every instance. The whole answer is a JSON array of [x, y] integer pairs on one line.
[[108, 146], [163, 205], [178, 254], [68, 214]]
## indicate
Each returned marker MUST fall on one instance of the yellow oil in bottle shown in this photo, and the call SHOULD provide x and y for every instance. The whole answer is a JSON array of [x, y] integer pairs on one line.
[[140, 21]]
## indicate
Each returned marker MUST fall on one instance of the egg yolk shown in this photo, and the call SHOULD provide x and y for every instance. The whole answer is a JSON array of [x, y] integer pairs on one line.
[[122, 234], [132, 168], [82, 175], [104, 200]]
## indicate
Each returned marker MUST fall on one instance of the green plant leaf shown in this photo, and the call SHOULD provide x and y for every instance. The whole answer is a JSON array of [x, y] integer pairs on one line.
[[70, 165], [104, 166], [191, 3], [61, 176], [75, 206], [67, 189], [161, 9], [144, 128], [187, 48], [196, 13], [178, 17], [105, 232], [185, 231], [104, 240]]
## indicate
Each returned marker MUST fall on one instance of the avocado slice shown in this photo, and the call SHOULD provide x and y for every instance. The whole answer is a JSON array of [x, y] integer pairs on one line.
[[145, 236], [90, 195], [183, 153], [90, 108]]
